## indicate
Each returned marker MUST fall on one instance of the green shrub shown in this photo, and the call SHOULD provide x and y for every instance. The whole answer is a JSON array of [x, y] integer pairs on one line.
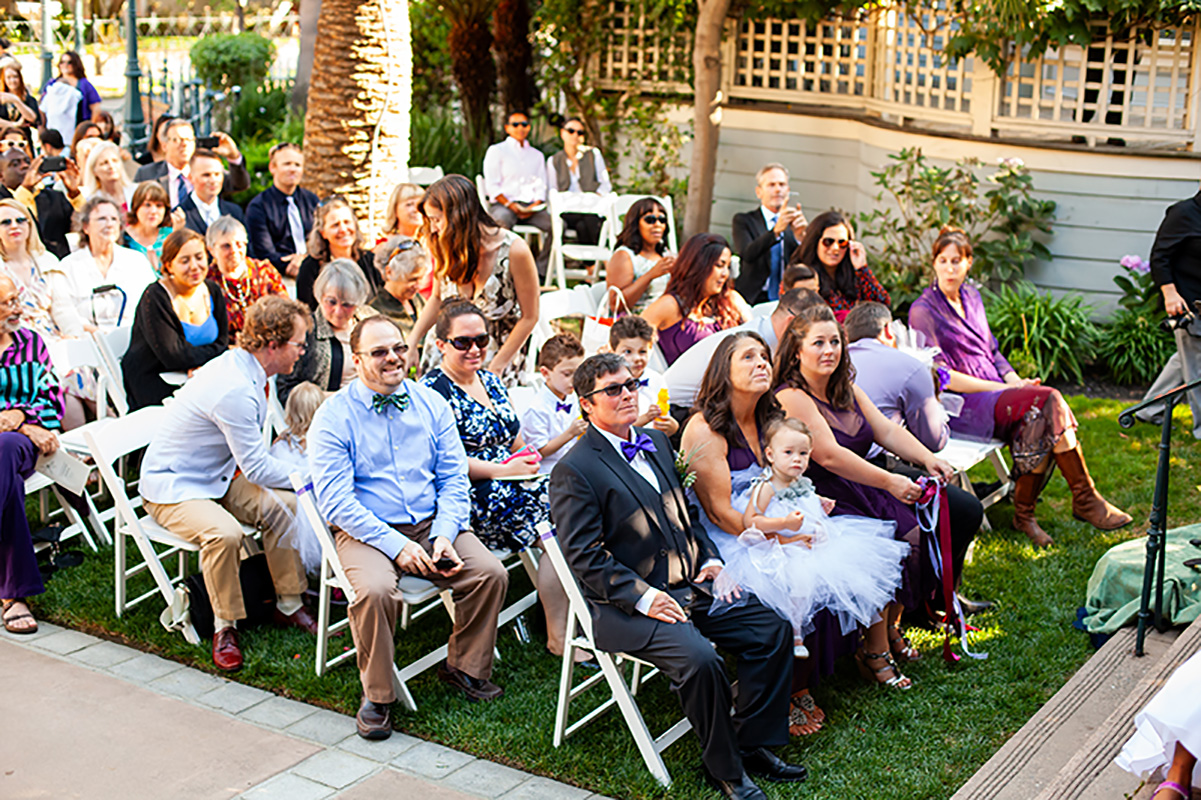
[[436, 139], [433, 83], [1052, 336], [225, 60], [262, 111], [1134, 347]]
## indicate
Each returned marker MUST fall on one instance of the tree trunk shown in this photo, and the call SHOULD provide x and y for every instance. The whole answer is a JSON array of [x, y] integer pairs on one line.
[[706, 113], [514, 56], [310, 12], [356, 131], [471, 61]]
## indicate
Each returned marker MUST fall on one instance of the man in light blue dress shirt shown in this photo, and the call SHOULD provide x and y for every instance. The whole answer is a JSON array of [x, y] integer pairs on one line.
[[390, 475], [207, 471]]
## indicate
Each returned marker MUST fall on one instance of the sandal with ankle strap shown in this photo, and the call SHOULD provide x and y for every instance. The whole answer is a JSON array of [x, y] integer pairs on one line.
[[873, 675], [1172, 786], [906, 652]]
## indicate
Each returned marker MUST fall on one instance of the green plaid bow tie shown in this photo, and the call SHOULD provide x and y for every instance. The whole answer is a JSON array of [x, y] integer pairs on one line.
[[380, 401]]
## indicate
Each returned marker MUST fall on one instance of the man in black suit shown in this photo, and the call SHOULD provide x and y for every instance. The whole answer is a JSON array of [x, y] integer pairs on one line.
[[173, 172], [204, 205], [765, 238], [23, 180], [647, 574], [278, 220]]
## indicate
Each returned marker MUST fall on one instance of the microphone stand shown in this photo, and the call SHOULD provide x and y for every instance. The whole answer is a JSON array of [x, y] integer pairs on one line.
[[1156, 531]]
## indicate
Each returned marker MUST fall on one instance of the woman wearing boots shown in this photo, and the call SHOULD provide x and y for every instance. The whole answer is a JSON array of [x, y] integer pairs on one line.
[[1034, 420]]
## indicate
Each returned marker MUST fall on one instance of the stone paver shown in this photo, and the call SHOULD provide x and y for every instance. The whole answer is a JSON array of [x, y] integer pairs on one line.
[[288, 787], [186, 683], [431, 760], [539, 788], [324, 726], [144, 668], [278, 712], [335, 768], [234, 697], [44, 629], [485, 778], [105, 654], [393, 784], [383, 751], [64, 642]]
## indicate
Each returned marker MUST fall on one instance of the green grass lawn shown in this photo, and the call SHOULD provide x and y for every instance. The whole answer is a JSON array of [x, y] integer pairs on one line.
[[915, 745]]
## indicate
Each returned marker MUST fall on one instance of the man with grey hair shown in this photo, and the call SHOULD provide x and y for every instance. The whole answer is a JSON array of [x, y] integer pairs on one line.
[[406, 266], [765, 237]]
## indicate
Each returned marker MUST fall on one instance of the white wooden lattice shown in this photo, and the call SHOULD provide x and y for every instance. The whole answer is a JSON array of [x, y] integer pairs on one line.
[[911, 69], [829, 60], [636, 54]]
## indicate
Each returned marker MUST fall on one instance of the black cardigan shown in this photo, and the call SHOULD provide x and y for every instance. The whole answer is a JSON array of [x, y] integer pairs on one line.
[[306, 276], [157, 344]]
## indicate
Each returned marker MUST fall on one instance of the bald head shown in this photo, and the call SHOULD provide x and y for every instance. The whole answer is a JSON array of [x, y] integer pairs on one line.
[[10, 311]]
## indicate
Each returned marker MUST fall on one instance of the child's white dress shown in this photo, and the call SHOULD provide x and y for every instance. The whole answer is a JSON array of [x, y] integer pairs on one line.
[[290, 449], [853, 568]]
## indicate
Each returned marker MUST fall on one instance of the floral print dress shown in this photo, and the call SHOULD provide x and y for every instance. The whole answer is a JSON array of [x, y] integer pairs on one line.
[[503, 513]]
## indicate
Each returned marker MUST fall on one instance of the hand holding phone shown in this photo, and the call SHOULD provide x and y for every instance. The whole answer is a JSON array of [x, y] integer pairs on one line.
[[207, 142], [53, 164]]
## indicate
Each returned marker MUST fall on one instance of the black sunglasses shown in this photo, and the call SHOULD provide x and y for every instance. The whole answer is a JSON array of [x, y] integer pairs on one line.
[[615, 389], [576, 131], [832, 242], [464, 343], [652, 219], [380, 353], [520, 124]]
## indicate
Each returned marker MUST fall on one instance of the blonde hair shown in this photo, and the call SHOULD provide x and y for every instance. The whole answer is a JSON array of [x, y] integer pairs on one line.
[[402, 192], [91, 185], [303, 401], [34, 244]]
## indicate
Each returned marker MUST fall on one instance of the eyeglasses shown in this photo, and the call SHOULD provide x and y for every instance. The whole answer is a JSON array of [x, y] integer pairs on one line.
[[301, 346], [8, 223], [11, 302], [576, 131], [520, 124], [380, 353], [465, 343], [615, 389], [655, 219], [830, 241]]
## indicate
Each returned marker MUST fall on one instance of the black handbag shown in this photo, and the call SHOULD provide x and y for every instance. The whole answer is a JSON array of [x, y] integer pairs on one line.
[[258, 594]]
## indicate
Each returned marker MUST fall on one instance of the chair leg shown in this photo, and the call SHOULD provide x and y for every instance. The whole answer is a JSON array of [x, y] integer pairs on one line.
[[633, 717], [119, 572], [323, 608], [566, 674]]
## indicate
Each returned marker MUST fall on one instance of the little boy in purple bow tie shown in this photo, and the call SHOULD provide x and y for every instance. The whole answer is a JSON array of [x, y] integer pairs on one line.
[[552, 423]]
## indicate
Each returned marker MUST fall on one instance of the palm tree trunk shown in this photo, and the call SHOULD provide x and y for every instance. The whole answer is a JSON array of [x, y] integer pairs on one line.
[[514, 56], [356, 130], [471, 62], [706, 113]]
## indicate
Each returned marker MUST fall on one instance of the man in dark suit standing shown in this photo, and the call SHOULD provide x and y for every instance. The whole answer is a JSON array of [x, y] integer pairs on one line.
[[765, 238], [204, 205], [279, 219], [174, 174], [647, 574]]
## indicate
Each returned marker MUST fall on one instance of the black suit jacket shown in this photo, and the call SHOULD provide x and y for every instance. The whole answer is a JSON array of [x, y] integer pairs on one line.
[[194, 220], [621, 537], [753, 243], [237, 179], [270, 237]]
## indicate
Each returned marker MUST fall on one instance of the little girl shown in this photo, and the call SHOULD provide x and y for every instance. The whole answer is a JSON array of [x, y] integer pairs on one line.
[[289, 447], [798, 560]]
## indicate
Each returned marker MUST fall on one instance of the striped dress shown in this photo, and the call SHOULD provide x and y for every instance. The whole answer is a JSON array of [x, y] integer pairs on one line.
[[28, 382]]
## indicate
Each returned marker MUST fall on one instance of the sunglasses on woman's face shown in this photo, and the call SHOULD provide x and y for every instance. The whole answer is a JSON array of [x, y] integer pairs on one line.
[[615, 389], [655, 219], [830, 241], [575, 131], [465, 343]]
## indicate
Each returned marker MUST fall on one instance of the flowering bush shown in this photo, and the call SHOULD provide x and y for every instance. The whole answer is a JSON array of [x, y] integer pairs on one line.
[[1139, 292], [1133, 344]]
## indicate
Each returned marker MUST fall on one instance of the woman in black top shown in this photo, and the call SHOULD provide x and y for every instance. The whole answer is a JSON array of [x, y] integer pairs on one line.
[[180, 323], [16, 103], [335, 234]]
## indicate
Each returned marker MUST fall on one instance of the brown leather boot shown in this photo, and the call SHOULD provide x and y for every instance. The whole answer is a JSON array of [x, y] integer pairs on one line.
[[1087, 503], [1025, 492]]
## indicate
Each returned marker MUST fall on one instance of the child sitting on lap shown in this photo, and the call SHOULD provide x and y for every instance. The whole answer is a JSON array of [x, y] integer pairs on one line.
[[289, 447]]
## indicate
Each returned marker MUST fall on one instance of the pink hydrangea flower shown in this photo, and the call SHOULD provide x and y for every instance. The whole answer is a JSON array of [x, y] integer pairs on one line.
[[1136, 264]]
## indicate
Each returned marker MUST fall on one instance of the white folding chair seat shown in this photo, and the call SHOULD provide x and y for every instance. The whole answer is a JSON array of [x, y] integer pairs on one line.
[[963, 454], [561, 203], [109, 443], [424, 176], [579, 635]]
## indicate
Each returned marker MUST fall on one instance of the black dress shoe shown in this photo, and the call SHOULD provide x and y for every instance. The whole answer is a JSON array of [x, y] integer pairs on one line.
[[973, 606], [766, 764], [476, 689], [742, 789], [374, 720]]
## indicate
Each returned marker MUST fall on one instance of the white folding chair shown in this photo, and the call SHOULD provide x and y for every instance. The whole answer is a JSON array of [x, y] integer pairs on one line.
[[111, 347], [963, 454], [524, 231], [108, 443], [551, 306], [623, 202], [561, 203], [424, 176], [274, 424], [39, 484], [580, 635], [760, 310]]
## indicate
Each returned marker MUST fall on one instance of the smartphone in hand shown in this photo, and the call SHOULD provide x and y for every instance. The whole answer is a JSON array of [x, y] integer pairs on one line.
[[53, 164], [207, 142]]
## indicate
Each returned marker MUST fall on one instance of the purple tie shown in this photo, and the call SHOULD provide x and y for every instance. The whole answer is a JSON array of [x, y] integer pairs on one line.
[[642, 382], [564, 407], [642, 444]]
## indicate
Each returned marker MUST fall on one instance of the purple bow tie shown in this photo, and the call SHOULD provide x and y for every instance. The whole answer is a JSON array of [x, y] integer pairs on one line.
[[566, 407], [643, 381], [643, 443]]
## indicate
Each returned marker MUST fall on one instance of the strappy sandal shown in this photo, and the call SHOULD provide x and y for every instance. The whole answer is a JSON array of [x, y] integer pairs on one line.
[[809, 706], [800, 723], [9, 620], [906, 652], [1172, 786], [873, 675]]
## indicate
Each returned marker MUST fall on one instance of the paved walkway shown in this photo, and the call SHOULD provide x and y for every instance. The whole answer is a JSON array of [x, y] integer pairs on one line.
[[87, 718]]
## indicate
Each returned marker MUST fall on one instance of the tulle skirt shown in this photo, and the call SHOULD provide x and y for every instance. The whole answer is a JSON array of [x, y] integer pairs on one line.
[[1173, 716]]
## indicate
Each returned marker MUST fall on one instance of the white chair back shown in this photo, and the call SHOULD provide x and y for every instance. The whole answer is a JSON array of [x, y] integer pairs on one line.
[[560, 203], [483, 191], [112, 346], [424, 176]]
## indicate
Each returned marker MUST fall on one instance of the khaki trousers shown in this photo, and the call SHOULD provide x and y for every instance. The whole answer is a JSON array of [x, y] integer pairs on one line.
[[479, 595], [215, 526]]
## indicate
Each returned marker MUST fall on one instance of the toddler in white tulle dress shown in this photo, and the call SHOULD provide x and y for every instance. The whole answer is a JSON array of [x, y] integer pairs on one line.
[[796, 558]]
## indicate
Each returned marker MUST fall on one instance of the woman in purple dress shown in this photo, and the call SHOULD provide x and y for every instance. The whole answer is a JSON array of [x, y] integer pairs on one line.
[[1033, 420], [31, 409], [700, 299]]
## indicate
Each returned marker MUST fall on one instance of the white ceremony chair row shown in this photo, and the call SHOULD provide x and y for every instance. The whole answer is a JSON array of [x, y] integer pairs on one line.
[[963, 454], [533, 235]]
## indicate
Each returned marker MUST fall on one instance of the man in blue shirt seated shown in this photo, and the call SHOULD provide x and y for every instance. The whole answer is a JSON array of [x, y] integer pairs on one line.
[[390, 475]]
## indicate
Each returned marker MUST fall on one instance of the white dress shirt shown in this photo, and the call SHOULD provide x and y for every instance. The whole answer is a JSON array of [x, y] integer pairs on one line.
[[209, 212], [685, 374], [130, 271], [544, 420], [213, 427], [515, 169]]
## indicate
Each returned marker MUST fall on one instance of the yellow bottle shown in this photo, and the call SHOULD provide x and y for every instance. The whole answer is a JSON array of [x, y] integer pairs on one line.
[[663, 401]]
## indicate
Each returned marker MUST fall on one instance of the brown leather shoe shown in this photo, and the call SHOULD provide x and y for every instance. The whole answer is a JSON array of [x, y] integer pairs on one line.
[[226, 653], [1025, 493], [476, 689], [300, 618], [374, 720], [1087, 503]]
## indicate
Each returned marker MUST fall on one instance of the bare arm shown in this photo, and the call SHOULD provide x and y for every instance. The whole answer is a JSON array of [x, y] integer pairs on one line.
[[663, 313], [525, 283], [713, 482], [620, 273], [744, 308], [425, 321]]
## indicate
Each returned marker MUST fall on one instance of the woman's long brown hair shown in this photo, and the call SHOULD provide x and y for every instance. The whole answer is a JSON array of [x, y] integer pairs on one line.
[[457, 252], [839, 392], [696, 261], [713, 399]]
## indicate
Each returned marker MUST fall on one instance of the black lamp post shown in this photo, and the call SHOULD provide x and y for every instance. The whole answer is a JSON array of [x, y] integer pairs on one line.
[[135, 121]]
